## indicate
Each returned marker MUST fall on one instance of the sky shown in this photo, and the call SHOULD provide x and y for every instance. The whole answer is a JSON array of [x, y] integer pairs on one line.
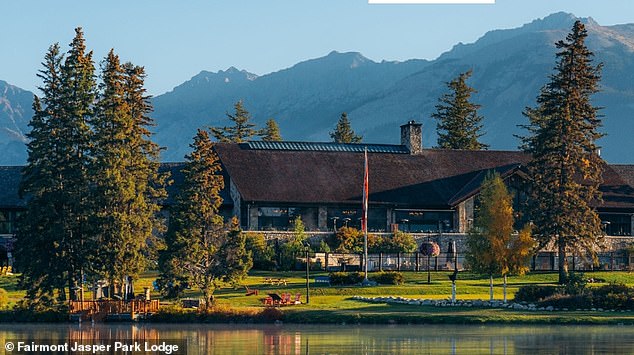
[[175, 40]]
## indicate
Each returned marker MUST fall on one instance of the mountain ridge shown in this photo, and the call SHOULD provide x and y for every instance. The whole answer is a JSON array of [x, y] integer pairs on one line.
[[306, 99]]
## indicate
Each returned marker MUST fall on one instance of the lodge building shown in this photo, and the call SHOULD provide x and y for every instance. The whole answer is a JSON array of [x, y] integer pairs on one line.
[[417, 190], [411, 188]]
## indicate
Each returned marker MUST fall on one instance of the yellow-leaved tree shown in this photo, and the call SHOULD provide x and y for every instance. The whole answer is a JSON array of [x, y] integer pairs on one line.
[[494, 248]]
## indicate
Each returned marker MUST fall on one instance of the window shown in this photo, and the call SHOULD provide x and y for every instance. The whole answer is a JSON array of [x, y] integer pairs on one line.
[[351, 217], [424, 221], [281, 218], [616, 224], [8, 221]]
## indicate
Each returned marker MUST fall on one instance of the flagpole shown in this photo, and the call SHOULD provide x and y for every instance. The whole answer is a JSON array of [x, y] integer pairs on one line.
[[364, 225]]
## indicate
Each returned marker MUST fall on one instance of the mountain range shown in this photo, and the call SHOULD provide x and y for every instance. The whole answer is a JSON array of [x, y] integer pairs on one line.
[[509, 68]]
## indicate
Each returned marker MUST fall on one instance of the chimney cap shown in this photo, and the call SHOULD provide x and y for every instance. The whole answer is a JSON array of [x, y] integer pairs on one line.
[[412, 123]]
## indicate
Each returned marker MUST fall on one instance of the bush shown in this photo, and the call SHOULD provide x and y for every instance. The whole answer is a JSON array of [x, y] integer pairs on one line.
[[4, 298], [398, 242], [575, 283], [579, 301], [613, 296], [348, 240], [388, 278], [263, 255], [345, 278], [535, 293]]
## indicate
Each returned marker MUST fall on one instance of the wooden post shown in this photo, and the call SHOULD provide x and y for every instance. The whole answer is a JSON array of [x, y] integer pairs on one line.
[[398, 261], [417, 266]]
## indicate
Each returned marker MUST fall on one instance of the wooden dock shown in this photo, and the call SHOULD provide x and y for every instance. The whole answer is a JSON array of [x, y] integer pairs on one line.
[[101, 310]]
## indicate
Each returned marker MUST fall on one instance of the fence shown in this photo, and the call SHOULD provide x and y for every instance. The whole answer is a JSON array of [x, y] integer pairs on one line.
[[543, 261], [386, 262]]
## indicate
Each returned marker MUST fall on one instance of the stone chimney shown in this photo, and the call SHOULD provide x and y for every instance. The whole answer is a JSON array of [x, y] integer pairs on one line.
[[412, 137]]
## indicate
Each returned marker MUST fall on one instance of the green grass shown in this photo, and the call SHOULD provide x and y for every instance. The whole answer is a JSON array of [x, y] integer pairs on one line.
[[334, 304]]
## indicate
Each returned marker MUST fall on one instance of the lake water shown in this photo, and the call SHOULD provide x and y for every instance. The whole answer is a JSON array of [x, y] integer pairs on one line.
[[339, 339]]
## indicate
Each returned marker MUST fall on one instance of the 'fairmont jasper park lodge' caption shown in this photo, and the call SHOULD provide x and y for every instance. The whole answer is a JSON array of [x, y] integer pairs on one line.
[[253, 243]]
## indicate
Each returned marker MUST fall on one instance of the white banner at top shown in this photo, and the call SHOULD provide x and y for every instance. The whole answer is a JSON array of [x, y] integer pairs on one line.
[[431, 1]]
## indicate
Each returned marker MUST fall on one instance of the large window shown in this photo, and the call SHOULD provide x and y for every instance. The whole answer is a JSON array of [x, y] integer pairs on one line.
[[616, 224], [351, 217], [281, 218], [8, 221], [424, 221]]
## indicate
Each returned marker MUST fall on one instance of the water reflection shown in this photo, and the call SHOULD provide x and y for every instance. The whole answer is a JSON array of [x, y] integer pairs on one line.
[[347, 339]]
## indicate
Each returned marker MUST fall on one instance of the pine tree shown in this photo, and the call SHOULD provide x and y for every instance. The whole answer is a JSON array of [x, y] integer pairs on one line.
[[271, 133], [201, 250], [343, 133], [56, 178], [242, 129], [459, 125], [565, 169], [124, 174], [493, 247]]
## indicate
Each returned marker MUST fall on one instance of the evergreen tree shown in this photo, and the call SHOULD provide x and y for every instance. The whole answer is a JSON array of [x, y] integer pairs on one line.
[[271, 133], [565, 170], [55, 178], [200, 249], [493, 247], [124, 174], [459, 125], [242, 129], [343, 133]]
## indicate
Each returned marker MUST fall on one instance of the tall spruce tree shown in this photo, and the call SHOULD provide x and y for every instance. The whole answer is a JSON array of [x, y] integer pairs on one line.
[[124, 174], [566, 170], [242, 129], [43, 276], [201, 250], [343, 133], [459, 125], [271, 132], [56, 177]]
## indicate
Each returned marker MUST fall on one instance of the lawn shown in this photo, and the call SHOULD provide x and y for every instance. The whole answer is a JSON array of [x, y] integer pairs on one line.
[[333, 304]]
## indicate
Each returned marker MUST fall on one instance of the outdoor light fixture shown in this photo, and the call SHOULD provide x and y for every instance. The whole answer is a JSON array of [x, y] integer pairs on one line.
[[307, 248]]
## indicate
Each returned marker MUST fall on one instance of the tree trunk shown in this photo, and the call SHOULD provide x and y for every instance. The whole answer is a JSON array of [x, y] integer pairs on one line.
[[491, 288], [504, 288], [563, 261]]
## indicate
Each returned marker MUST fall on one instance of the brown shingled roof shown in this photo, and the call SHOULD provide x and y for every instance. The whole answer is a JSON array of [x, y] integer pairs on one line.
[[433, 178], [626, 172]]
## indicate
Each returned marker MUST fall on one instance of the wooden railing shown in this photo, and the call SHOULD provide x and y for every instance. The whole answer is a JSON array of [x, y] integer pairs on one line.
[[106, 307]]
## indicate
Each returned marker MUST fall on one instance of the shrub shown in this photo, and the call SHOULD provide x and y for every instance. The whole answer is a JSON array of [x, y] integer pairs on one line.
[[575, 283], [535, 293], [4, 298], [345, 278], [263, 255], [388, 278], [579, 301], [348, 240], [399, 242], [613, 296]]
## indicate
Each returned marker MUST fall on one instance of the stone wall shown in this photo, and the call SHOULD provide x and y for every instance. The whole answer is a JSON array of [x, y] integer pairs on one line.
[[609, 243]]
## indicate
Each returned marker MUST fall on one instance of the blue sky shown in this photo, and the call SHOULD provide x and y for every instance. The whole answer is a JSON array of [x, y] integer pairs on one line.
[[175, 40]]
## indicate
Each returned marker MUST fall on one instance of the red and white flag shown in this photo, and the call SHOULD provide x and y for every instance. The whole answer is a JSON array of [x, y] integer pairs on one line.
[[364, 218]]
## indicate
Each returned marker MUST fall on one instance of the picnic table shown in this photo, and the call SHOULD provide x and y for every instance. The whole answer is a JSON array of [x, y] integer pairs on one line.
[[273, 281]]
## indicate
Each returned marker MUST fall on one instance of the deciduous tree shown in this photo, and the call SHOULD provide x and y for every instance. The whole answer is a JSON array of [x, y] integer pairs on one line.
[[493, 247]]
